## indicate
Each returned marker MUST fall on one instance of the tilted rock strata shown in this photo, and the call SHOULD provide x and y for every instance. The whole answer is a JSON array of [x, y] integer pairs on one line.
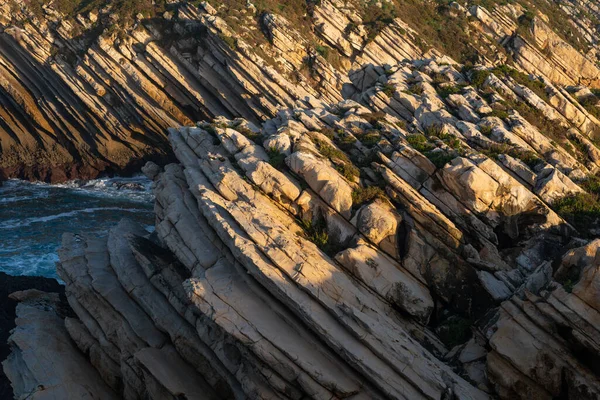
[[232, 290], [79, 100], [35, 373], [546, 344]]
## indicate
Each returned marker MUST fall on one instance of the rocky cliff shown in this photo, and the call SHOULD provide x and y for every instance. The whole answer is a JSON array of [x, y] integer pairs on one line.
[[372, 208], [401, 245], [91, 87]]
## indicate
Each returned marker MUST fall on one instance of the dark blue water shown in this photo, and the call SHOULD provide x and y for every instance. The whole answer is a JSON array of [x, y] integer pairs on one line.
[[34, 216]]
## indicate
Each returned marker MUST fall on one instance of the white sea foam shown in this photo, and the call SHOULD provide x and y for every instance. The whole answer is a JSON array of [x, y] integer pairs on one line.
[[20, 223], [17, 199], [34, 216]]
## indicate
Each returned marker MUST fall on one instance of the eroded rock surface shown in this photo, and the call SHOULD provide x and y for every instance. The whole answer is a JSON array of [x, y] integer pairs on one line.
[[306, 259]]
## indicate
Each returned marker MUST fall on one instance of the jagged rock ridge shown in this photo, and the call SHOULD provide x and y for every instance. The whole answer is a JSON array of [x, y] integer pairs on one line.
[[87, 91], [331, 253]]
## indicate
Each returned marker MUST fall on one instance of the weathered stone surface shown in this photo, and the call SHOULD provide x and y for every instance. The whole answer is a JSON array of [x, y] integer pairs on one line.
[[44, 363], [390, 245]]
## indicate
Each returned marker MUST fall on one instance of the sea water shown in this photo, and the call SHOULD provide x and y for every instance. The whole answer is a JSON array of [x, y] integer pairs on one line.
[[34, 216]]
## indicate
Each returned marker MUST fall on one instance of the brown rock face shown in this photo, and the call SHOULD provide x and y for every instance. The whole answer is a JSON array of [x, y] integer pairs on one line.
[[296, 274], [432, 236]]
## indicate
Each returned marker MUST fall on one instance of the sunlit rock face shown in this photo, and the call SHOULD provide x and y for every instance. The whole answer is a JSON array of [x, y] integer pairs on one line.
[[359, 215], [360, 260], [89, 89]]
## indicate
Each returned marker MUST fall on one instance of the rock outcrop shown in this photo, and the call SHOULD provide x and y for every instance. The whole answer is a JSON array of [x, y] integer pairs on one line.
[[358, 216], [8, 285], [332, 254], [91, 88]]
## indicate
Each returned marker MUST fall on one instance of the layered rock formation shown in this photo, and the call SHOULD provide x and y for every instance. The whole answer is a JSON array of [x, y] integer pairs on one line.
[[330, 253], [396, 224], [91, 88], [10, 284]]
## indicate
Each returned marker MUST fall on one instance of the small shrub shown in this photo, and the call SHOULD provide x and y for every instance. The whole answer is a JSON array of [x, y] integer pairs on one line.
[[502, 114], [535, 85], [345, 141], [329, 132], [440, 158], [388, 90], [276, 159], [323, 51], [250, 134], [568, 286], [582, 210], [371, 138], [377, 17], [485, 130], [528, 157], [316, 232], [591, 184], [419, 142], [230, 41], [348, 170], [374, 118], [363, 195], [416, 89], [451, 141], [329, 151], [447, 90], [479, 76]]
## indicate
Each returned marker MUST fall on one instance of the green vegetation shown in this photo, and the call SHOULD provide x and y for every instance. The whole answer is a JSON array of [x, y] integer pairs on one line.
[[416, 89], [388, 90], [502, 114], [362, 195], [376, 18], [568, 285], [442, 28], [590, 103], [536, 85], [374, 118], [344, 141], [323, 51], [582, 210], [250, 134], [229, 41], [328, 132], [439, 157], [591, 184], [341, 161], [420, 143], [370, 138], [276, 159], [479, 76], [485, 130], [528, 157], [348, 171], [446, 90], [316, 232]]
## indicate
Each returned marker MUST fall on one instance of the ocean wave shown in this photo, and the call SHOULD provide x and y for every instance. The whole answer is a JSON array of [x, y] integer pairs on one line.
[[17, 199], [31, 264], [20, 223], [135, 189]]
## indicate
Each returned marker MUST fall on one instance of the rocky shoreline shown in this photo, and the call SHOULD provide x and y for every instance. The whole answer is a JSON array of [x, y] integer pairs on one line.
[[270, 275], [8, 285], [372, 208]]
